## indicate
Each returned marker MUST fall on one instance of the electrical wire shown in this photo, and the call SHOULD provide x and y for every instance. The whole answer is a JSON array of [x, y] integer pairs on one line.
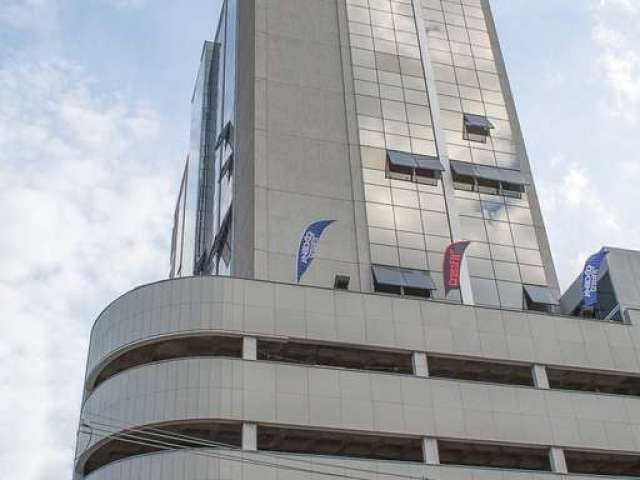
[[215, 444], [146, 441], [165, 446], [158, 432]]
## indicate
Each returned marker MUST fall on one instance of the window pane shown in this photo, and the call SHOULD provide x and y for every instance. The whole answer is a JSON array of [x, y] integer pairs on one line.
[[507, 271], [375, 193], [416, 259], [524, 236], [494, 211], [380, 216], [408, 220], [503, 253], [411, 240], [469, 207], [436, 223], [437, 244], [519, 215], [429, 201], [478, 249], [529, 257], [382, 236], [480, 268], [473, 229], [510, 294], [499, 232], [533, 275], [485, 292], [405, 198]]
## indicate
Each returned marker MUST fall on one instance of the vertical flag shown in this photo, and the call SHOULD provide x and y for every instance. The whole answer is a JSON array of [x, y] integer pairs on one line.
[[309, 246], [451, 265], [590, 278]]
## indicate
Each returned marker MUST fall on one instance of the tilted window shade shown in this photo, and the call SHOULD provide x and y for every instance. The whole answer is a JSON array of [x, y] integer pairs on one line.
[[227, 165], [403, 277], [412, 160], [486, 172], [462, 168], [417, 279], [477, 124], [401, 159], [539, 295], [226, 134], [222, 232], [500, 175], [427, 162], [387, 276]]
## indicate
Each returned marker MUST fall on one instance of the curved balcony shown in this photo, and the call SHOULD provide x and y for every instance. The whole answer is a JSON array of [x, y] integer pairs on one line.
[[216, 306]]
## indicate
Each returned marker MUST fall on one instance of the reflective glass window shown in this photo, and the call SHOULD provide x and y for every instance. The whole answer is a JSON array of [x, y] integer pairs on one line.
[[485, 292], [382, 236], [503, 253], [519, 215], [529, 257], [469, 207], [473, 229], [533, 275], [524, 236], [480, 268], [507, 271], [499, 232], [380, 216], [436, 223], [510, 294], [408, 219], [495, 211]]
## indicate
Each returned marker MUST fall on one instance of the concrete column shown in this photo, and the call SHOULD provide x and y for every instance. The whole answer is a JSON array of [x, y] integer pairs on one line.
[[540, 378], [557, 460], [249, 348], [430, 451], [249, 436], [420, 364]]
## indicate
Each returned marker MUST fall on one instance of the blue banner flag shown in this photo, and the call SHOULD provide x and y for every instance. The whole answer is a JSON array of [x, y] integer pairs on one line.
[[590, 278], [309, 245]]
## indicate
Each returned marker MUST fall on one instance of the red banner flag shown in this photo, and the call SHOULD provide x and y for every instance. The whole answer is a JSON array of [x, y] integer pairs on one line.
[[452, 264]]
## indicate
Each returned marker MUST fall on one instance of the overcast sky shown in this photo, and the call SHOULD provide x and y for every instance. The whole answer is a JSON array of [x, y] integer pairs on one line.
[[94, 117]]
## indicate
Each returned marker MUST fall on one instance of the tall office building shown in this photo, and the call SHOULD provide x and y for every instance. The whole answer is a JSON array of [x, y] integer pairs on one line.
[[390, 122]]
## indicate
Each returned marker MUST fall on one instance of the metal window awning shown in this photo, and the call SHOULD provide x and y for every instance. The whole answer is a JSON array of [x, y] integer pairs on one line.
[[403, 277], [539, 295], [478, 123], [387, 275], [417, 279], [486, 172], [412, 160], [427, 162]]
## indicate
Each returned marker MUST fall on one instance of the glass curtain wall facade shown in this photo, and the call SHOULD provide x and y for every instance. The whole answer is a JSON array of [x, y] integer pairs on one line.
[[505, 251], [398, 81], [206, 222], [407, 218]]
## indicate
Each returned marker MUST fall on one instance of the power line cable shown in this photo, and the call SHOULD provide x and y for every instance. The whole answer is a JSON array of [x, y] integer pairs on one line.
[[116, 431], [215, 444], [165, 446]]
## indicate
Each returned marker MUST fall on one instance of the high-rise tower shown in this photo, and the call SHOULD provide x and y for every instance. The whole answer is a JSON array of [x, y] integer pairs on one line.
[[298, 118], [394, 121]]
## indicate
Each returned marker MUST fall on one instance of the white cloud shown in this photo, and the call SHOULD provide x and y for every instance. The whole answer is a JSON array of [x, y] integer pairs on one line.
[[580, 214], [127, 3], [32, 15], [617, 34], [84, 216]]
